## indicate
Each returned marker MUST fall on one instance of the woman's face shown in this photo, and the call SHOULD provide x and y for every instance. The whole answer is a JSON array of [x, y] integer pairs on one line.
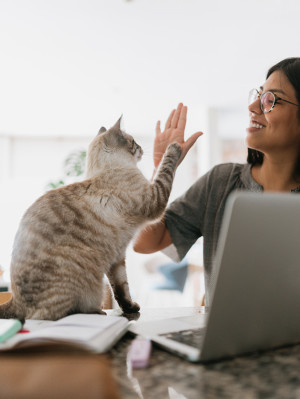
[[276, 132]]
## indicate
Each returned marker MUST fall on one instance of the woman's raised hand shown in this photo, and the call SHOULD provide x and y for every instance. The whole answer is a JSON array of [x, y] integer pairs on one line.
[[174, 132]]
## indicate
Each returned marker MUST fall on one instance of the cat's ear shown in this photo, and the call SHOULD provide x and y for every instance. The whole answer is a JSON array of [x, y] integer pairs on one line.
[[102, 130], [117, 125]]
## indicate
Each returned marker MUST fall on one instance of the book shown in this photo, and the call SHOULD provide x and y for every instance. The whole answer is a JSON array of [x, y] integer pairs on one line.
[[92, 332]]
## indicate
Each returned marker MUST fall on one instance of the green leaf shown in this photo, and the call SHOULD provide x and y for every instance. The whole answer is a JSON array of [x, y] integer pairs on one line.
[[52, 185], [74, 165]]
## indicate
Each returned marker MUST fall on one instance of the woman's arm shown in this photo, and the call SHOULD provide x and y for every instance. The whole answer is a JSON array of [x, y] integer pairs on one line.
[[153, 238], [156, 237]]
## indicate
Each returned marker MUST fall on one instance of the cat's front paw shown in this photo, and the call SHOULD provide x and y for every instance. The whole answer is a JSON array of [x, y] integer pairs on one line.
[[131, 307], [174, 149]]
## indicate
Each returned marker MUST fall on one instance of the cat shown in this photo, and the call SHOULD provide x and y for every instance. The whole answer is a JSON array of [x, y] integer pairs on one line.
[[73, 235]]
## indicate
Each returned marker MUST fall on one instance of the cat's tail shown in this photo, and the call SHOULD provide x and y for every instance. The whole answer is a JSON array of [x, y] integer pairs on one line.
[[9, 310]]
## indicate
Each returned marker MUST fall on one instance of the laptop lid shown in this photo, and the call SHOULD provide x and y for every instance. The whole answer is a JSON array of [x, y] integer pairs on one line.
[[256, 295]]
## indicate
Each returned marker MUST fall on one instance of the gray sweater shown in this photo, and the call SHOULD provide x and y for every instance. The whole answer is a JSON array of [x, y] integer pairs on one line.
[[199, 211]]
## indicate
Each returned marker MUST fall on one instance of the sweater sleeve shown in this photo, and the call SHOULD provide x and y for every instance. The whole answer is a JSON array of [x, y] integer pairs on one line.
[[199, 211], [185, 216]]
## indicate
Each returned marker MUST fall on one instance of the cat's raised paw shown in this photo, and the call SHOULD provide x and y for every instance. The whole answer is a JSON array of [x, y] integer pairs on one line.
[[175, 148]]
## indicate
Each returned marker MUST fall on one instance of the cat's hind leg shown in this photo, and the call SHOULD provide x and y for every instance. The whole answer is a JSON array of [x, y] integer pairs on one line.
[[65, 304], [118, 280], [49, 305], [89, 298]]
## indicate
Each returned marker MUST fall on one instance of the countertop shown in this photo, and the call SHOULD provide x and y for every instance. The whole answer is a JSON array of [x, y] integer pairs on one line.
[[273, 374]]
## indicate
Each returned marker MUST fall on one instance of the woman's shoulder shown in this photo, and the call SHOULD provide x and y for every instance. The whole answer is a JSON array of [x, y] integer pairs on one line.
[[229, 170], [235, 176], [223, 178], [230, 166]]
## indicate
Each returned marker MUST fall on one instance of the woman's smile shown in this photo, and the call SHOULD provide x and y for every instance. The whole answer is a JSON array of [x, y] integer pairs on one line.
[[255, 126]]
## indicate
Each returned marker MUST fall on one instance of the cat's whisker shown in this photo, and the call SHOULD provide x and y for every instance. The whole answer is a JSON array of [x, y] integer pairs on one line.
[[146, 155]]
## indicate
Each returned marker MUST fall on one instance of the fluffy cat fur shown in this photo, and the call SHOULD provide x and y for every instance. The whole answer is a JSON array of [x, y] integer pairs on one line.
[[72, 235]]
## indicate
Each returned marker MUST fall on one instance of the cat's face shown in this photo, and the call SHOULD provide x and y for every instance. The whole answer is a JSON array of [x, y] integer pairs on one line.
[[113, 146]]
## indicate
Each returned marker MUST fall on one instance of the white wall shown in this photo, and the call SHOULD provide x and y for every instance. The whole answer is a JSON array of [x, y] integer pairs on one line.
[[69, 65]]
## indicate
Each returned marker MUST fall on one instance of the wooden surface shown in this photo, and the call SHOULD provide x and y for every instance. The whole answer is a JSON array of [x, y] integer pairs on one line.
[[56, 373], [4, 296]]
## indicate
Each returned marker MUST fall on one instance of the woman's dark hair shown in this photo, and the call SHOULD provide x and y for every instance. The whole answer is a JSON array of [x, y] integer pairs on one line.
[[291, 68]]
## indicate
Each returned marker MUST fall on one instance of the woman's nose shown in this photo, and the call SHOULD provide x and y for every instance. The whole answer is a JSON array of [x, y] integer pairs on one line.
[[255, 107]]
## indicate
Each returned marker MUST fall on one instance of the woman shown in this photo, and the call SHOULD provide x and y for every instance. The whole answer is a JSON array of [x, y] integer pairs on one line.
[[273, 139]]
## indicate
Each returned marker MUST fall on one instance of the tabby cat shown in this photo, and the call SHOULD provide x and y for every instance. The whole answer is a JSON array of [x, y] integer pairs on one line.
[[73, 235]]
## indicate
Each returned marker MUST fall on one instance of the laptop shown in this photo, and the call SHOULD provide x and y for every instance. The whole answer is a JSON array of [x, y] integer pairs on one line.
[[255, 299]]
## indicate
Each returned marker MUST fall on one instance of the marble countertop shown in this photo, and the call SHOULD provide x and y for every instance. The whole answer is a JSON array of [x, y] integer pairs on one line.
[[273, 374]]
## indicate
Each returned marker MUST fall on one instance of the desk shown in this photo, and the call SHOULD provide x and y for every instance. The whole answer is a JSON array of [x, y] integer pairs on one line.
[[274, 374]]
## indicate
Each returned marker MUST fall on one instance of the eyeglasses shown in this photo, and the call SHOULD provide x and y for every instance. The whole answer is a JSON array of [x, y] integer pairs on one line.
[[268, 100]]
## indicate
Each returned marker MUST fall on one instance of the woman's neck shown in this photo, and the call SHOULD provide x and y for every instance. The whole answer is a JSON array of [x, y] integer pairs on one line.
[[276, 176]]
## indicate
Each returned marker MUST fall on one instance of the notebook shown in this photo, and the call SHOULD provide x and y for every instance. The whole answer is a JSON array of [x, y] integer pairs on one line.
[[90, 332], [256, 292]]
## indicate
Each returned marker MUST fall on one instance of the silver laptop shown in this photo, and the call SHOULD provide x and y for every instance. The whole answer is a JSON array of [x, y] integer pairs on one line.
[[255, 302]]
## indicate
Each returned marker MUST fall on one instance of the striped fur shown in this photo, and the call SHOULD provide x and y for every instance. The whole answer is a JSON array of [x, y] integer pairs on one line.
[[70, 237]]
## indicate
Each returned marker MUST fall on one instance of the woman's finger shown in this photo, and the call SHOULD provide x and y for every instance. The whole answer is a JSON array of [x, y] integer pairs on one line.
[[176, 116], [191, 140], [182, 118], [157, 128], [168, 123]]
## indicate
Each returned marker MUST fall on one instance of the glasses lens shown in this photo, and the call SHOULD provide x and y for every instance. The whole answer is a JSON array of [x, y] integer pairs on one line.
[[267, 102], [253, 95]]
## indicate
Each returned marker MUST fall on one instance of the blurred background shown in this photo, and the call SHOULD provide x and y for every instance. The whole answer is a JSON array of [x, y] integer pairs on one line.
[[69, 67]]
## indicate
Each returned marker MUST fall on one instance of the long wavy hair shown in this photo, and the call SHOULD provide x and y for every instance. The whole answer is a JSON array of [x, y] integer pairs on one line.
[[291, 68]]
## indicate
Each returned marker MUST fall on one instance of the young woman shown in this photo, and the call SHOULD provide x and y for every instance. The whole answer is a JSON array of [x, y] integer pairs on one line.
[[273, 139]]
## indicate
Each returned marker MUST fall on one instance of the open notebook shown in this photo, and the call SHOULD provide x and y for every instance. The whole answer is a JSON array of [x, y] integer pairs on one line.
[[256, 293], [91, 332]]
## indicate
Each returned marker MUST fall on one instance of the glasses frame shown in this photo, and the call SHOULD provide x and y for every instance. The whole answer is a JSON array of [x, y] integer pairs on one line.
[[276, 99]]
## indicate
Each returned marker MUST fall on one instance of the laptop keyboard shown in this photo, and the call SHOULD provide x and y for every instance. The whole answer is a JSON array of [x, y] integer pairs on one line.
[[193, 337]]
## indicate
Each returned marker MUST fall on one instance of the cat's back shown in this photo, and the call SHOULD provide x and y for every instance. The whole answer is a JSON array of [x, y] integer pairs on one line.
[[89, 208], [52, 218], [61, 204]]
